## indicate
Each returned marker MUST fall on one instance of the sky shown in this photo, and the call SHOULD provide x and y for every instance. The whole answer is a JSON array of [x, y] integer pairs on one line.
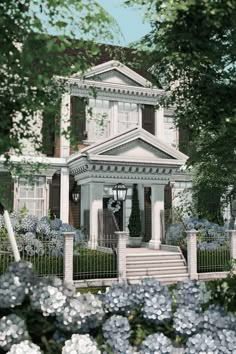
[[128, 18]]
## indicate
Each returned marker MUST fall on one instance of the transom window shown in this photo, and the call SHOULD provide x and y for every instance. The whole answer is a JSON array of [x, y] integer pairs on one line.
[[31, 195], [127, 116]]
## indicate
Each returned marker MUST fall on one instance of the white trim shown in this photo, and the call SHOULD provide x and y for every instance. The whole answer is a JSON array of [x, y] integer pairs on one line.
[[123, 69]]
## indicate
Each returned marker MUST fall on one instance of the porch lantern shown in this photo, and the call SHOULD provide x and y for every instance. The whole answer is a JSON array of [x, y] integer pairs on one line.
[[119, 192], [75, 194]]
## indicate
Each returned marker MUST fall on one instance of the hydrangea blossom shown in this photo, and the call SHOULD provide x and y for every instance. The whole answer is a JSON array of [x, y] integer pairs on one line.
[[67, 228], [12, 331], [116, 331], [12, 291], [157, 308], [156, 343], [226, 341], [191, 293], [43, 227], [187, 321], [80, 344], [28, 236], [83, 312], [216, 319], [117, 299], [25, 347], [201, 343], [56, 224], [175, 234], [55, 247], [29, 223], [34, 247], [24, 271]]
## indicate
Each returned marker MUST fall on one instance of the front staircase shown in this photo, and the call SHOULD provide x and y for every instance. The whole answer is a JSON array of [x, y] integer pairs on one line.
[[166, 266]]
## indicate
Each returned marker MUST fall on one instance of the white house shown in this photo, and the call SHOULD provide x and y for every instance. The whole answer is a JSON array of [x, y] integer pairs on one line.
[[122, 137]]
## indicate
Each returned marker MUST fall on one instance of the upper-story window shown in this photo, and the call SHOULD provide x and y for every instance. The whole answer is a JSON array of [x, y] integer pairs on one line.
[[128, 116], [98, 119]]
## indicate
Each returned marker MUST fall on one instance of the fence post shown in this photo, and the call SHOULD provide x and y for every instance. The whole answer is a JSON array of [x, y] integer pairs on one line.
[[232, 243], [121, 254], [192, 253], [68, 256]]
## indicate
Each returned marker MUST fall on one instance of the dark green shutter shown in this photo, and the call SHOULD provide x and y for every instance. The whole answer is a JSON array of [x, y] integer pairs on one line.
[[6, 191], [78, 119], [50, 127], [148, 118]]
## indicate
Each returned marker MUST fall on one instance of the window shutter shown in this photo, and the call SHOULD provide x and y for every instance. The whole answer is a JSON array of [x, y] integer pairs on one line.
[[184, 140], [54, 195], [50, 127], [148, 118], [6, 191], [78, 119]]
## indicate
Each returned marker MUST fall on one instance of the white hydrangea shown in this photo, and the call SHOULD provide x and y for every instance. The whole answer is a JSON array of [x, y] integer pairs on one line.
[[25, 347], [80, 344]]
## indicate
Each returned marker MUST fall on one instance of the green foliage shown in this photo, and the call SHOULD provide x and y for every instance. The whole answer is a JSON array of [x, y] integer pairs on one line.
[[30, 59], [134, 226], [191, 53]]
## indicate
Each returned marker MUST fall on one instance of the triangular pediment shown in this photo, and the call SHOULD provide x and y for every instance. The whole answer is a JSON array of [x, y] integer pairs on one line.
[[138, 148], [136, 145], [114, 72]]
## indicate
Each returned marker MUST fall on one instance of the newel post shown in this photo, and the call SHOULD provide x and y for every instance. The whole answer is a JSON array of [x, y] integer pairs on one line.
[[192, 253], [121, 254], [232, 243], [68, 256]]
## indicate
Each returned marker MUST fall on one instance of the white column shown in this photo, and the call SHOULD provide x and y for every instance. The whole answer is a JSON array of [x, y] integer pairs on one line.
[[141, 203], [192, 253], [157, 197], [232, 243], [159, 117], [122, 237], [65, 123], [68, 256], [64, 200], [96, 203]]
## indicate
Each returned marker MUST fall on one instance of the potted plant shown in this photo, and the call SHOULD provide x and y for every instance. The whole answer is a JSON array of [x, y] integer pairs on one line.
[[135, 228]]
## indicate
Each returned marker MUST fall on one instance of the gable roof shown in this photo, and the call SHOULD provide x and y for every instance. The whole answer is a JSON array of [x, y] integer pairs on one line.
[[135, 145], [119, 67]]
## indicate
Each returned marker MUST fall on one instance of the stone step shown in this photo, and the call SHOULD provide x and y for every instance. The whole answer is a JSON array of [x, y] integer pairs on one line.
[[155, 263], [141, 257], [156, 271], [165, 279]]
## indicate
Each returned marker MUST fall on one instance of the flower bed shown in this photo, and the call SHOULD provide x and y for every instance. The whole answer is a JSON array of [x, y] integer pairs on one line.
[[47, 316]]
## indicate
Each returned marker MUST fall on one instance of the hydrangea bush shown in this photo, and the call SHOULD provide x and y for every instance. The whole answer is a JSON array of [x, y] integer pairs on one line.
[[39, 236], [211, 236], [48, 316]]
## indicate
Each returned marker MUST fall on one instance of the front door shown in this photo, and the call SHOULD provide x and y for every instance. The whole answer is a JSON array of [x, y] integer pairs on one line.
[[117, 209]]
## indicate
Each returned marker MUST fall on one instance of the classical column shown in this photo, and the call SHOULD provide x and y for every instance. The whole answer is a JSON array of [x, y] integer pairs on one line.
[[157, 199], [192, 253], [64, 125], [141, 204], [64, 190], [96, 204], [122, 237], [159, 118]]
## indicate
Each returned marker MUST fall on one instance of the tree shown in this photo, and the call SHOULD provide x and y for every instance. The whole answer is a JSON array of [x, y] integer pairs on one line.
[[134, 226], [192, 55], [31, 57]]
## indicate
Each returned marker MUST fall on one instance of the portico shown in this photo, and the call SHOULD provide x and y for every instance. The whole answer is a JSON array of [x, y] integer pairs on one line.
[[134, 157]]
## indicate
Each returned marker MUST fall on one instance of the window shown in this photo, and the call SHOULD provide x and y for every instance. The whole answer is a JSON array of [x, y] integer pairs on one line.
[[32, 196], [127, 116], [98, 119]]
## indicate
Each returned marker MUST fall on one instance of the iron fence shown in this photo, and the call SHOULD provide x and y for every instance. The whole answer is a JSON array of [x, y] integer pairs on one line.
[[213, 253], [95, 258], [45, 255]]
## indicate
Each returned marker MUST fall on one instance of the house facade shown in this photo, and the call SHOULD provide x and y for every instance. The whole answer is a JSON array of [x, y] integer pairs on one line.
[[122, 138]]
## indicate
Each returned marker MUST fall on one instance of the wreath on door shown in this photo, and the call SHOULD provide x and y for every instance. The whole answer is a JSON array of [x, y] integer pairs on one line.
[[114, 205]]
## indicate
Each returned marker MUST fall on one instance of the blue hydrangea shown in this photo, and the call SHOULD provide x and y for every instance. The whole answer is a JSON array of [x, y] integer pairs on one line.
[[56, 224], [34, 247], [29, 223], [202, 343], [175, 233], [117, 299], [66, 228], [187, 321], [116, 331], [43, 227], [191, 293], [156, 343], [157, 309], [80, 344], [12, 331]]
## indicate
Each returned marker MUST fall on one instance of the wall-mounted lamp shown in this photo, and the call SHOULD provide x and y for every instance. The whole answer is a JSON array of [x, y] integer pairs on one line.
[[75, 193]]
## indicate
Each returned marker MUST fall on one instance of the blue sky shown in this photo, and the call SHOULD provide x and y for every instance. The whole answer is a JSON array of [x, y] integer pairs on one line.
[[129, 20]]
